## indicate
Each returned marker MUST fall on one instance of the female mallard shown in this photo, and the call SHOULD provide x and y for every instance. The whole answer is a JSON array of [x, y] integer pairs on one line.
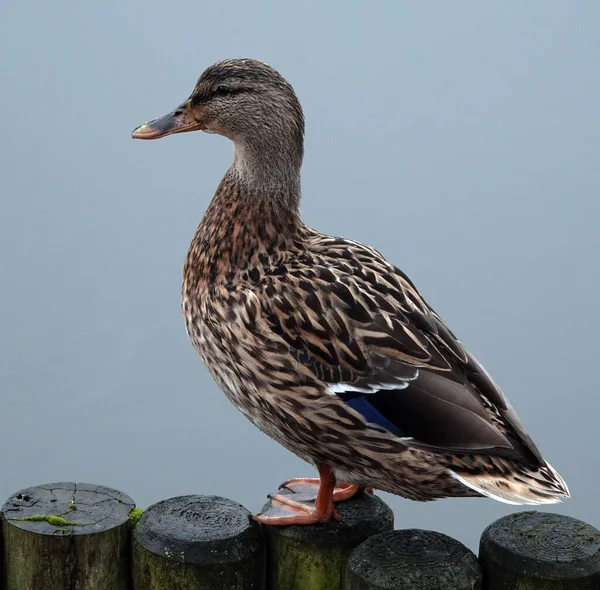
[[322, 343]]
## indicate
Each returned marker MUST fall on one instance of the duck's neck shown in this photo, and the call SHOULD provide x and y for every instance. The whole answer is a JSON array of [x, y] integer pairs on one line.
[[270, 162], [250, 216]]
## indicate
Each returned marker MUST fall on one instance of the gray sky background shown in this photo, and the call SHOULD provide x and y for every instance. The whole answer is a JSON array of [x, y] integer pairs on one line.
[[461, 139]]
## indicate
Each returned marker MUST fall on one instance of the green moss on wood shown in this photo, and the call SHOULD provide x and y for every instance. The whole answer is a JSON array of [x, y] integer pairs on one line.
[[56, 520], [155, 572], [300, 565], [523, 513], [53, 519], [134, 515]]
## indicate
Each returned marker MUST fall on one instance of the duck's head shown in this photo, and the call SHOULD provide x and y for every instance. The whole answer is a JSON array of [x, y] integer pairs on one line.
[[245, 100]]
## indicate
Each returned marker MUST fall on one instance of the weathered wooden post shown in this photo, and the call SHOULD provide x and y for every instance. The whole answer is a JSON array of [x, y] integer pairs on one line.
[[540, 551], [61, 536], [314, 557], [412, 559], [198, 543]]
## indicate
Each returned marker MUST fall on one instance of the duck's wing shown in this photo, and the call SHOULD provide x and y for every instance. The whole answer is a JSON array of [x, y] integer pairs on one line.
[[360, 326]]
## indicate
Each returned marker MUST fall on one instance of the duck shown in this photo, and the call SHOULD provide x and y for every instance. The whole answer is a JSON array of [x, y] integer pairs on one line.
[[321, 342]]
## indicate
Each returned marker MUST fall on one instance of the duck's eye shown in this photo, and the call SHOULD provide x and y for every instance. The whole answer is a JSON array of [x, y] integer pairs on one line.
[[223, 90]]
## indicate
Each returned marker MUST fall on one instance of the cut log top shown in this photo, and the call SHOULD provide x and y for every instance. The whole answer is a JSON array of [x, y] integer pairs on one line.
[[67, 508], [62, 536], [412, 559], [200, 543], [541, 546], [199, 530]]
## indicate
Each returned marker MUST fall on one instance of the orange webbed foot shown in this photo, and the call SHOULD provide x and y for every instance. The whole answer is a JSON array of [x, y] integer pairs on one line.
[[308, 500], [294, 508]]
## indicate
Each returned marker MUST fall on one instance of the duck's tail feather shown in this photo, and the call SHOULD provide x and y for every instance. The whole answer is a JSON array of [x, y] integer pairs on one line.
[[540, 485]]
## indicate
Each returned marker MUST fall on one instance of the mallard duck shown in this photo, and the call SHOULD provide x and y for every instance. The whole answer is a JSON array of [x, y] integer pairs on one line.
[[320, 341]]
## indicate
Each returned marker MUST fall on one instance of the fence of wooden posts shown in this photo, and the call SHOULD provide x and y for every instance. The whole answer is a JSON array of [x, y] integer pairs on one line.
[[67, 536]]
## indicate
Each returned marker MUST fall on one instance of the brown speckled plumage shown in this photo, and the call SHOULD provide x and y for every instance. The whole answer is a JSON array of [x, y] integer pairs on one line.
[[322, 343]]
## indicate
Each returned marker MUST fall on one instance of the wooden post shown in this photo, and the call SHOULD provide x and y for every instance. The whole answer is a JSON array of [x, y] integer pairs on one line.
[[412, 559], [539, 551], [62, 536], [313, 557], [198, 543]]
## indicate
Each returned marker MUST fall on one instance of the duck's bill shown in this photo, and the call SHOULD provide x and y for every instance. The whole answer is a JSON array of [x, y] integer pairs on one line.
[[179, 121]]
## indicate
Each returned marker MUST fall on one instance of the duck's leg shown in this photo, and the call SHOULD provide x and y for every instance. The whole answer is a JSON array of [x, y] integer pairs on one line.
[[299, 505]]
